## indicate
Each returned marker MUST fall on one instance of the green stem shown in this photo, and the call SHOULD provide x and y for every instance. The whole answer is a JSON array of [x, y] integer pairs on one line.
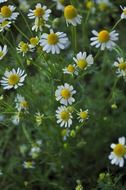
[[97, 54], [116, 24], [26, 22], [27, 135], [74, 38], [87, 17], [22, 33], [113, 88]]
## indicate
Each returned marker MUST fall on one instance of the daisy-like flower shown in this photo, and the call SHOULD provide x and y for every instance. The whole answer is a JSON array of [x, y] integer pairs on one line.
[[64, 116], [3, 51], [4, 25], [21, 103], [39, 24], [23, 48], [70, 69], [123, 15], [7, 13], [13, 79], [29, 164], [64, 94], [34, 41], [83, 115], [119, 152], [39, 12], [59, 4], [121, 67], [71, 15], [104, 39], [83, 61], [53, 42], [103, 4]]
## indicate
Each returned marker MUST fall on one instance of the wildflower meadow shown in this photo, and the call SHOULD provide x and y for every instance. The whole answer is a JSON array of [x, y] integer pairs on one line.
[[62, 95]]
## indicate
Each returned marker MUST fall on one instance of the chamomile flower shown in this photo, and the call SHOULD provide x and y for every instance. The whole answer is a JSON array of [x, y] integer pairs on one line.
[[59, 4], [121, 67], [64, 116], [70, 69], [83, 61], [119, 152], [23, 48], [103, 4], [123, 15], [7, 13], [4, 25], [21, 103], [34, 41], [29, 164], [39, 24], [64, 94], [104, 39], [3, 51], [83, 115], [53, 42], [39, 12], [71, 15], [13, 79]]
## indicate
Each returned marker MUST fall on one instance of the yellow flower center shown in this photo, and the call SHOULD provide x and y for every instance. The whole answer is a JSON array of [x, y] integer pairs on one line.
[[5, 11], [103, 6], [70, 12], [103, 36], [24, 47], [1, 53], [24, 104], [39, 12], [119, 150], [122, 66], [82, 64], [65, 93], [13, 79], [89, 4], [34, 41], [83, 114], [52, 39], [65, 115], [124, 11], [70, 68]]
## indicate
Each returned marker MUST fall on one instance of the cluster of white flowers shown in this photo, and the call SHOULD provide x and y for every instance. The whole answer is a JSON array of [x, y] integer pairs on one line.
[[7, 16], [34, 153]]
